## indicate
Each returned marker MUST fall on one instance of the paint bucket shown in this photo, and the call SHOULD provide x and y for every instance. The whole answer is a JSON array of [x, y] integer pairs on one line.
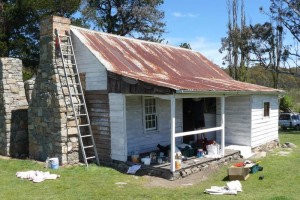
[[213, 149], [147, 161], [54, 163], [177, 164], [135, 158], [199, 153]]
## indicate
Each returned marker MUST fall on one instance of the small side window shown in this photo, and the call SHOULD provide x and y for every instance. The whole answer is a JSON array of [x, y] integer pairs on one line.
[[266, 109]]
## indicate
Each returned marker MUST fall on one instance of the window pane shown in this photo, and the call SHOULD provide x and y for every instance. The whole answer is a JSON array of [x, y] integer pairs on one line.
[[266, 109], [150, 113]]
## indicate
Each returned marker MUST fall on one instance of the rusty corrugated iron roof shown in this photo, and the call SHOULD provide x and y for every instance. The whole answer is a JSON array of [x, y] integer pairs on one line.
[[159, 64]]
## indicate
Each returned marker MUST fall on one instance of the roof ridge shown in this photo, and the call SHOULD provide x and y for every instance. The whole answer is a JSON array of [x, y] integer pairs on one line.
[[138, 40]]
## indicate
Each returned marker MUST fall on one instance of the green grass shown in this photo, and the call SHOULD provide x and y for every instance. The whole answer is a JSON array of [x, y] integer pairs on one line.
[[281, 182]]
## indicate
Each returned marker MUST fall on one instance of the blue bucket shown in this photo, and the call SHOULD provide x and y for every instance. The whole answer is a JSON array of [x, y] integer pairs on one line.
[[54, 163]]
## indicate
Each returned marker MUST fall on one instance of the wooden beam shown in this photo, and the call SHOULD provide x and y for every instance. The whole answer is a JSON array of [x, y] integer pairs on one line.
[[198, 131]]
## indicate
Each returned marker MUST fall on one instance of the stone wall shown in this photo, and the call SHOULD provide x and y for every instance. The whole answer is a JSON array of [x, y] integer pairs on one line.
[[13, 109], [51, 132]]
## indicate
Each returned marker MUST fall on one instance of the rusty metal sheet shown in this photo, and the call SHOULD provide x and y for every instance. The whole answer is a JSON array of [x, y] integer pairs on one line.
[[160, 64]]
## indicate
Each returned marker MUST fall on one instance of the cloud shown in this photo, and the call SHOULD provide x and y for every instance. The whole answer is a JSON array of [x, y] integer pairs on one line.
[[209, 49], [179, 14]]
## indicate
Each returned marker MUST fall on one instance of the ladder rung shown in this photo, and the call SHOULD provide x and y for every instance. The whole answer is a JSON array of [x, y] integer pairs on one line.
[[72, 74], [65, 36], [66, 45], [85, 136], [90, 146], [74, 84], [91, 157], [78, 104], [81, 115], [79, 94], [71, 54], [82, 125]]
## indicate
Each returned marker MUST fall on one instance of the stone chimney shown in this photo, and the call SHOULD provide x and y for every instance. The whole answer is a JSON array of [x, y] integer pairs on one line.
[[13, 109], [51, 133]]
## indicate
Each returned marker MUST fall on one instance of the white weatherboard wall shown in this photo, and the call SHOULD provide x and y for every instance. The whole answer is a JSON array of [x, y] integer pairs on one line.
[[96, 76], [238, 120], [144, 141], [117, 111], [264, 129]]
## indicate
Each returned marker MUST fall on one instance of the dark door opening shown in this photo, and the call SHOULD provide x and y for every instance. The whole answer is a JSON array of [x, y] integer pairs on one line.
[[193, 117]]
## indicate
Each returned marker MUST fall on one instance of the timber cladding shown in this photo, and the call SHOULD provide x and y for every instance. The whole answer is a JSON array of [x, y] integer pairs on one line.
[[98, 109], [121, 84]]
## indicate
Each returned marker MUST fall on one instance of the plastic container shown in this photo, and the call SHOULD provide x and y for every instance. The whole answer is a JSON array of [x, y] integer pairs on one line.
[[147, 161], [177, 164], [213, 149], [135, 158], [199, 153], [54, 163]]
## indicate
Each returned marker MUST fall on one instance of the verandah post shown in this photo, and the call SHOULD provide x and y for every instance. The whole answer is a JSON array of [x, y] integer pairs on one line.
[[223, 126], [172, 134]]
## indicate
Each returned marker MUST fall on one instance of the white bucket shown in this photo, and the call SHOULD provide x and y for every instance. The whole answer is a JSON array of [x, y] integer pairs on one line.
[[213, 149], [147, 161], [53, 163]]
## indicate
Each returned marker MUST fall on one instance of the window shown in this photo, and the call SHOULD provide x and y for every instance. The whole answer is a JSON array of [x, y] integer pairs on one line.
[[150, 115], [266, 109]]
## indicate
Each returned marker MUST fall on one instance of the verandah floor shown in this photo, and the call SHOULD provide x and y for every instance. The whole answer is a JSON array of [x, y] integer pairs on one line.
[[190, 166]]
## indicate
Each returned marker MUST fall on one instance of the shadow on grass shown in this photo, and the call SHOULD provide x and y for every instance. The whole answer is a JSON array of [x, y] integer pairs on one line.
[[288, 131], [226, 179]]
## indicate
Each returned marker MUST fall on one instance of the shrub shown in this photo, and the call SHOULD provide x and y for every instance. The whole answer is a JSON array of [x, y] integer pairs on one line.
[[286, 103]]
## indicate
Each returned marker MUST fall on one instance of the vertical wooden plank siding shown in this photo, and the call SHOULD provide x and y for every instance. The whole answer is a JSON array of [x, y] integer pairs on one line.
[[98, 109], [117, 113], [264, 129]]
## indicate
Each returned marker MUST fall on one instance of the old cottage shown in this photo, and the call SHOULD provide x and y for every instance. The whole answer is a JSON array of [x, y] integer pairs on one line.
[[140, 94]]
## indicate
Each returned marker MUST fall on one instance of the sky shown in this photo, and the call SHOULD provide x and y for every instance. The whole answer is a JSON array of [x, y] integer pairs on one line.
[[202, 23]]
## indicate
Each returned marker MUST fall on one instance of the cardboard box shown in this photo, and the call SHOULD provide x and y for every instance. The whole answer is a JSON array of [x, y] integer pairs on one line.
[[238, 173]]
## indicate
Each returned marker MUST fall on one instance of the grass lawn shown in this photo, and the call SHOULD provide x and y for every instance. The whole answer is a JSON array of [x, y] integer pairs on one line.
[[281, 182]]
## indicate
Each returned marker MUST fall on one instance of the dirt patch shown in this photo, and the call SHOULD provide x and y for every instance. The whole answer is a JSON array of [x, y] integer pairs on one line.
[[283, 153], [190, 180], [5, 157]]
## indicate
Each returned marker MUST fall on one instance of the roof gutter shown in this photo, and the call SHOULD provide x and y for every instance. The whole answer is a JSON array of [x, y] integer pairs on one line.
[[230, 93]]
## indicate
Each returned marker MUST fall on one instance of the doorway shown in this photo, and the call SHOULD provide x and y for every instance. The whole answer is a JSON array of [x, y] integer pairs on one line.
[[193, 117]]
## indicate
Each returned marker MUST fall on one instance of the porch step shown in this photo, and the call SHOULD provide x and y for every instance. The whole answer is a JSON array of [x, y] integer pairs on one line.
[[246, 151]]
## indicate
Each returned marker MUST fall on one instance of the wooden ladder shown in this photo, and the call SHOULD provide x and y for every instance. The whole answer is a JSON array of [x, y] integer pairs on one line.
[[64, 50]]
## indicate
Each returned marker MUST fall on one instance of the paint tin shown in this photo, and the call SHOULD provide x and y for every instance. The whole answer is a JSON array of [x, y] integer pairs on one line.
[[199, 153], [177, 164], [53, 163]]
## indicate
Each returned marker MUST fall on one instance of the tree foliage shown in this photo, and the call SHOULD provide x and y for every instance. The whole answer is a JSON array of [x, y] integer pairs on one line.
[[287, 13], [286, 103], [248, 45], [236, 43], [185, 45], [266, 46], [19, 26], [137, 18]]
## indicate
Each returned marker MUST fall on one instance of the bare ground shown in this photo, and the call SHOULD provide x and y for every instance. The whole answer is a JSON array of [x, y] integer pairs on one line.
[[192, 179]]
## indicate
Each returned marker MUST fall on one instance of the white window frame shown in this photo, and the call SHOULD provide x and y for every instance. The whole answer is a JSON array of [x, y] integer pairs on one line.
[[153, 113]]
